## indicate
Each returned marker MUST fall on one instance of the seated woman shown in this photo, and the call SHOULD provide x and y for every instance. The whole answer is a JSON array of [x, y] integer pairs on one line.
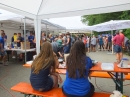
[[78, 65], [43, 76]]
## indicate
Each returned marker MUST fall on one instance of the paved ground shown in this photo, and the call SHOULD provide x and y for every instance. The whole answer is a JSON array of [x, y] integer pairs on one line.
[[15, 73]]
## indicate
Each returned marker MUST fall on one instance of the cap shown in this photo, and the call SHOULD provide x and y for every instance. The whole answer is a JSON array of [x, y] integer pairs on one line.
[[121, 31]]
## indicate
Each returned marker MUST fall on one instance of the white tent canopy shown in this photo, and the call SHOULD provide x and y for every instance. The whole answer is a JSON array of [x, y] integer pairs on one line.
[[44, 9], [111, 25], [12, 20], [61, 8]]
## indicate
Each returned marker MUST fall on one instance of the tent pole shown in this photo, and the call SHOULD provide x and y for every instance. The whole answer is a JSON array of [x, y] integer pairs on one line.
[[25, 39], [37, 23], [90, 40], [46, 31], [112, 43]]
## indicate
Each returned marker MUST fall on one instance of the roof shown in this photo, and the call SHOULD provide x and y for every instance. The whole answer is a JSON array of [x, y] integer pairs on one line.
[[43, 9], [12, 20]]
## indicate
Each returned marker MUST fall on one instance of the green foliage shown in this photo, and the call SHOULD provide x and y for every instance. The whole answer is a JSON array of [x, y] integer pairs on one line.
[[127, 33], [100, 18]]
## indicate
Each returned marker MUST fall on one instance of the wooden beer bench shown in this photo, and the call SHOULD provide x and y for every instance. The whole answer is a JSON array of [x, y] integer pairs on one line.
[[27, 90]]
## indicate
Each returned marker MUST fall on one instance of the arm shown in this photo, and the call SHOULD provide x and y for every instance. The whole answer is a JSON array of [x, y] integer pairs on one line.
[[12, 39], [123, 44], [90, 66], [34, 41], [29, 39], [1, 45], [52, 71], [56, 61], [68, 40], [5, 38], [58, 50], [18, 40], [55, 74], [60, 54], [114, 40]]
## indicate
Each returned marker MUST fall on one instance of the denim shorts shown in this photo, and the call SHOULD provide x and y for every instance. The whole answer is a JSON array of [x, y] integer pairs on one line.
[[117, 48], [87, 45], [3, 53], [49, 84]]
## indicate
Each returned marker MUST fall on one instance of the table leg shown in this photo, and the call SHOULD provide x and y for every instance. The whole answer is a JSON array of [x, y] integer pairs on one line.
[[117, 87], [8, 56], [121, 83], [115, 79]]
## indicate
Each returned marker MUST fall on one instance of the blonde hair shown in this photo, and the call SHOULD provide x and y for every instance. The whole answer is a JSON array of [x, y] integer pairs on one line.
[[44, 59]]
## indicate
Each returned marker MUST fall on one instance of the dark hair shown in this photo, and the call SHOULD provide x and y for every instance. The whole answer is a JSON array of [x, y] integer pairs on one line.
[[68, 33], [117, 33], [19, 33], [3, 31], [15, 33], [76, 61]]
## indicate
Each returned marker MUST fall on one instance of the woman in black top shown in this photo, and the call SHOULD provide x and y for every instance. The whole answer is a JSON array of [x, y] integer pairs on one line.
[[43, 76]]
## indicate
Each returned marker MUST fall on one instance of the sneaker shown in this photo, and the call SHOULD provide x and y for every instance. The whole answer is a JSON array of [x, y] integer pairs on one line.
[[13, 57], [5, 64]]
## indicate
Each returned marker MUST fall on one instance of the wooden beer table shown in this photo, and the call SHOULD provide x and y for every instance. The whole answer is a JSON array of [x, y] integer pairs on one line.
[[116, 74]]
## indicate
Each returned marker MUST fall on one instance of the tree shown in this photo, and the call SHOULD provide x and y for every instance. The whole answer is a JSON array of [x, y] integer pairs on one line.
[[100, 18]]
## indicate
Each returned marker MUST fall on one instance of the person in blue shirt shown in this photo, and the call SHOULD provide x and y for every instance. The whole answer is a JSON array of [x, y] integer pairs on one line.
[[78, 65], [31, 40], [109, 42], [43, 76], [5, 37], [2, 51], [101, 44]]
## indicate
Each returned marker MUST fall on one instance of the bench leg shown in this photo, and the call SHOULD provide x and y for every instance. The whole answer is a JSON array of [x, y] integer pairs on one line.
[[118, 81], [121, 83], [25, 95], [117, 87]]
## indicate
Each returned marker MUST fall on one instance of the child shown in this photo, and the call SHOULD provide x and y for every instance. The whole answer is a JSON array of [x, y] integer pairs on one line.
[[43, 76]]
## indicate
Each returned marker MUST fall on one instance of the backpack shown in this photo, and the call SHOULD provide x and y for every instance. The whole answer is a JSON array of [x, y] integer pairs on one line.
[[72, 40]]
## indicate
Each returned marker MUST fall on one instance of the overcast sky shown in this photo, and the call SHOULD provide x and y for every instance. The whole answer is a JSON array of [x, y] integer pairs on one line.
[[69, 22]]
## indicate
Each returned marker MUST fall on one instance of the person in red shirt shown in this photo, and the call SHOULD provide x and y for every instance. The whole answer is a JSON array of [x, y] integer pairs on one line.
[[122, 36], [117, 41]]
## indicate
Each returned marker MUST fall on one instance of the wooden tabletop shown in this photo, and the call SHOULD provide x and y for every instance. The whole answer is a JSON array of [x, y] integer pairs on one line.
[[97, 67]]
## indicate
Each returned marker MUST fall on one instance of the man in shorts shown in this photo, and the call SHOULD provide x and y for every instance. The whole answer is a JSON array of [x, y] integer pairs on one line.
[[3, 53], [88, 44], [117, 40], [93, 43], [109, 42], [19, 40]]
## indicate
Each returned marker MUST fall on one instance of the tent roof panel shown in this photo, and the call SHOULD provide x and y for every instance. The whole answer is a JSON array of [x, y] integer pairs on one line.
[[29, 6], [62, 8]]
